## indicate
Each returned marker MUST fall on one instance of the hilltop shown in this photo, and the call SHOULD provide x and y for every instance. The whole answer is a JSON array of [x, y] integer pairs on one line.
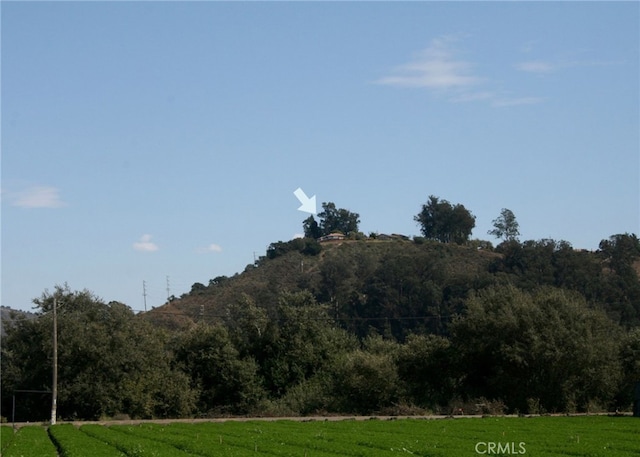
[[396, 286]]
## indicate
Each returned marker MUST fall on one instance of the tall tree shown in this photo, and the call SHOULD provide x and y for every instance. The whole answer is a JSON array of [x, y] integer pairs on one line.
[[505, 226], [442, 221], [311, 228]]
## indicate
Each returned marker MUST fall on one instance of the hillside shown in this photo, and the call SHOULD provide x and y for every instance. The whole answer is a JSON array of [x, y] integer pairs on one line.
[[8, 315], [354, 327], [339, 265], [400, 281]]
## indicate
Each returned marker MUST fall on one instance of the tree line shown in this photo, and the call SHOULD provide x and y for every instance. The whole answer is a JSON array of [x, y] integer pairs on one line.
[[438, 219], [511, 351], [399, 327]]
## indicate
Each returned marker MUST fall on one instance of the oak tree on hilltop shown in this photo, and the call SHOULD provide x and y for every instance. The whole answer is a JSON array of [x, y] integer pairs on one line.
[[440, 220]]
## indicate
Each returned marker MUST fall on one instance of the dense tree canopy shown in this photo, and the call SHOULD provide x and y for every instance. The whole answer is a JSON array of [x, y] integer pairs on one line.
[[547, 347], [109, 362], [605, 279], [223, 381], [620, 251], [306, 246]]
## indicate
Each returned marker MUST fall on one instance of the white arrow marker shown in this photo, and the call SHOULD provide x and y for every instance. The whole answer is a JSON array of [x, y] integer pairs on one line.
[[308, 204]]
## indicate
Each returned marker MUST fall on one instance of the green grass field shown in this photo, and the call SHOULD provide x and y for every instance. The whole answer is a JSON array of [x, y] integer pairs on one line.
[[540, 436]]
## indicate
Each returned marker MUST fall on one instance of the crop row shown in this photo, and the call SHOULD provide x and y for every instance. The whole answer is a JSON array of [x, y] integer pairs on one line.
[[6, 437], [30, 441], [132, 445], [74, 443]]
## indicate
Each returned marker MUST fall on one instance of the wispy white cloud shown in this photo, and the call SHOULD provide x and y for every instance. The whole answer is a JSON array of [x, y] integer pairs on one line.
[[516, 101], [496, 99], [37, 197], [436, 67], [213, 247], [473, 96], [145, 244], [536, 66], [547, 66], [439, 68]]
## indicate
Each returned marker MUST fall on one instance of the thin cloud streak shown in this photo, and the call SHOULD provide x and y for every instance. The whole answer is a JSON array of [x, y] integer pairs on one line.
[[469, 96], [37, 197], [505, 102], [546, 67], [536, 66]]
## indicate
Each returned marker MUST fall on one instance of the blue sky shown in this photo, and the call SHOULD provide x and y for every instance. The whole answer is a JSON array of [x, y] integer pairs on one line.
[[149, 140]]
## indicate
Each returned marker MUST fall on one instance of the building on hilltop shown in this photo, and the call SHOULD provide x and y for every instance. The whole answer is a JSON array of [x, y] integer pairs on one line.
[[335, 236]]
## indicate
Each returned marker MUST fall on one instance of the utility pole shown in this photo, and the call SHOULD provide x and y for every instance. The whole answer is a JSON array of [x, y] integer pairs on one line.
[[54, 388], [168, 290], [144, 294]]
